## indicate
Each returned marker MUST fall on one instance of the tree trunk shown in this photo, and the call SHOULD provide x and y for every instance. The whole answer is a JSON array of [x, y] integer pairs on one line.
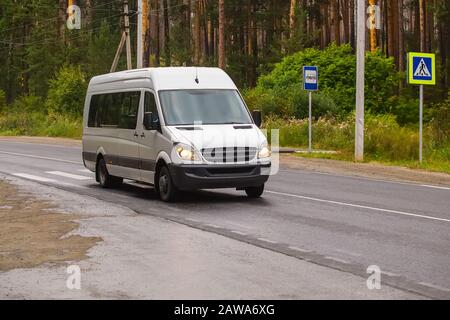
[[62, 19], [373, 22], [187, 32], [390, 28], [196, 32], [335, 23], [401, 45], [145, 34], [155, 33], [205, 31], [167, 53], [251, 44], [292, 17], [325, 29], [352, 23], [422, 24], [222, 34], [87, 20], [345, 19]]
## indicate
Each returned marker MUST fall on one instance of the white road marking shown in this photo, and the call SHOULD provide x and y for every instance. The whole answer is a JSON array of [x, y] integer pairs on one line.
[[434, 286], [33, 177], [43, 179], [435, 187], [68, 175], [213, 226], [85, 170], [38, 157], [266, 240], [390, 274], [337, 260], [298, 249], [359, 206], [239, 232]]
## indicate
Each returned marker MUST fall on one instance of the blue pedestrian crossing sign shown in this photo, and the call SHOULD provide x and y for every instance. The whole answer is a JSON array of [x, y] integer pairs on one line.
[[310, 78], [421, 68]]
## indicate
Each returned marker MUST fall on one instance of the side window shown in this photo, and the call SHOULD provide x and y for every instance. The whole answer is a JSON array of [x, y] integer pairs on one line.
[[93, 111], [129, 110], [109, 111], [114, 110], [150, 104]]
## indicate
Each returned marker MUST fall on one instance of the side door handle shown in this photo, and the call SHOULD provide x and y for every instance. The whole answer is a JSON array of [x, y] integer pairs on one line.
[[136, 134], [143, 135]]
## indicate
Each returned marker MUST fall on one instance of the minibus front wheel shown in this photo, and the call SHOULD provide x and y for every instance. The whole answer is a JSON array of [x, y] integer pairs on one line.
[[164, 185]]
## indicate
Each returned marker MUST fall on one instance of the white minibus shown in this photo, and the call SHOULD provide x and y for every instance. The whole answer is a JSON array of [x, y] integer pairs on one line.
[[177, 128]]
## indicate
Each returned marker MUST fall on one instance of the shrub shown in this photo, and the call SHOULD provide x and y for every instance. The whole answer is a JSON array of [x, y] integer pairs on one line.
[[440, 121], [289, 102], [67, 92], [337, 76], [2, 101]]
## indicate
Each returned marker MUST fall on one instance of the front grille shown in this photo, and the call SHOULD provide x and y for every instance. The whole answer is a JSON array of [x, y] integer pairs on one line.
[[229, 155]]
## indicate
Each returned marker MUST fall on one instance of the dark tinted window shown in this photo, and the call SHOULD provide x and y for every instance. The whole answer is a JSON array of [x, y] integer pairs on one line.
[[114, 110], [150, 104]]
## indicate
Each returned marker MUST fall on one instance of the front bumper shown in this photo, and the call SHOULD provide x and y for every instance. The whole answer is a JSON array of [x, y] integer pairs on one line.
[[191, 177]]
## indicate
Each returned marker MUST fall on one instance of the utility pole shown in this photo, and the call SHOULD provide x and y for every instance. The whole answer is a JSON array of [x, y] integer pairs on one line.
[[360, 56], [139, 40], [125, 39], [127, 33]]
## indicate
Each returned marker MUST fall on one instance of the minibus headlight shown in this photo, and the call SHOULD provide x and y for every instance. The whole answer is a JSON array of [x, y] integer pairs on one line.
[[264, 152], [186, 152]]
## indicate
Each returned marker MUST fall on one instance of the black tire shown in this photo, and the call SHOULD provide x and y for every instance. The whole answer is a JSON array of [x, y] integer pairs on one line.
[[165, 187], [104, 178], [254, 192]]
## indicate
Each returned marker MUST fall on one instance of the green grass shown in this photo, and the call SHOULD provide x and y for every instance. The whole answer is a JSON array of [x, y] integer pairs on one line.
[[432, 164], [385, 141], [40, 124]]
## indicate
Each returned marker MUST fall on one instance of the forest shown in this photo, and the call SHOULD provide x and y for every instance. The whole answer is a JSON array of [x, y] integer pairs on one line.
[[261, 44]]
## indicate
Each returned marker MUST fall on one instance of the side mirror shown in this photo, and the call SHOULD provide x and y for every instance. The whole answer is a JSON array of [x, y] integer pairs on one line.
[[151, 122], [257, 118], [148, 120]]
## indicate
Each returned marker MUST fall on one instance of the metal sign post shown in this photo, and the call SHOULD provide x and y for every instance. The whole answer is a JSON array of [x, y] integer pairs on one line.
[[310, 83], [421, 71], [310, 123]]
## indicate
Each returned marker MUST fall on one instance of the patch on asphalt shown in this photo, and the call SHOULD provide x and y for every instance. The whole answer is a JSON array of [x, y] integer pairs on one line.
[[33, 232]]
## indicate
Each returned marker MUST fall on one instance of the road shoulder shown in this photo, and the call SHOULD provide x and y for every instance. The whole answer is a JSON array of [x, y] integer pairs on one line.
[[366, 170]]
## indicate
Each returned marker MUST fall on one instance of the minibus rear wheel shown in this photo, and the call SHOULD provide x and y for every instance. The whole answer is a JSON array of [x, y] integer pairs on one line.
[[165, 187], [104, 178], [254, 192]]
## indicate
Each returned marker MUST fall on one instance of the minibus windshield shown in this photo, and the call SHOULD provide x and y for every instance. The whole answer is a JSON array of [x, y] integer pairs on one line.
[[186, 107]]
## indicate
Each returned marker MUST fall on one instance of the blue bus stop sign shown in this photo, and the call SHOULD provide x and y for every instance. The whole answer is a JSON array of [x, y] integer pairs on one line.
[[310, 78]]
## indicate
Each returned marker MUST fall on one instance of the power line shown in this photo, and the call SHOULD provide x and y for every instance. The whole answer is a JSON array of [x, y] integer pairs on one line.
[[94, 8], [45, 40]]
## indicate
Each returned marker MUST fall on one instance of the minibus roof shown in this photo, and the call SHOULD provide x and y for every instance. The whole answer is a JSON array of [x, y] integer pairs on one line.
[[168, 78]]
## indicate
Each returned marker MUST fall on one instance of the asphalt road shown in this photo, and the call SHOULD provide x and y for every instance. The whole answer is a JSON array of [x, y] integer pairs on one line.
[[342, 222]]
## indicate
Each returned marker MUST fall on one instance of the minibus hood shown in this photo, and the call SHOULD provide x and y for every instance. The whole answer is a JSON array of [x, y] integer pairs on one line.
[[220, 135]]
